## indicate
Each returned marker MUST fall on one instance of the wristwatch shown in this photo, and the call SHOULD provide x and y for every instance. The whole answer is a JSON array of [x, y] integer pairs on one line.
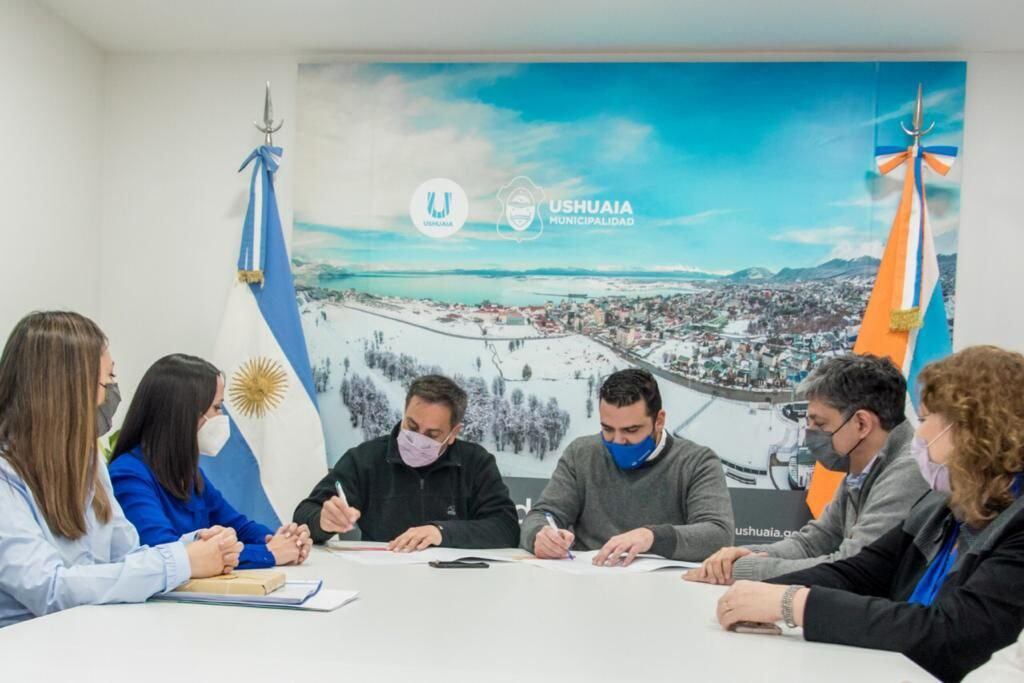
[[787, 605]]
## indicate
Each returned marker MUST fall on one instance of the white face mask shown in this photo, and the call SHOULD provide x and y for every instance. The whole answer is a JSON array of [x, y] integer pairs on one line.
[[214, 433], [935, 473]]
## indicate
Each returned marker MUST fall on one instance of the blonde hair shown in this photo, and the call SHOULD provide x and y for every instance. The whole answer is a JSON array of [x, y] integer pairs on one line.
[[49, 378], [980, 392]]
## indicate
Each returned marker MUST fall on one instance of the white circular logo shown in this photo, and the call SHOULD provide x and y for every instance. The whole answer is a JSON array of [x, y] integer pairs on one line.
[[439, 208]]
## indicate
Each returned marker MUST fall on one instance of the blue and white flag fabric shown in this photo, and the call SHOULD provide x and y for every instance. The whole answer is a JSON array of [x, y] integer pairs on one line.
[[276, 451]]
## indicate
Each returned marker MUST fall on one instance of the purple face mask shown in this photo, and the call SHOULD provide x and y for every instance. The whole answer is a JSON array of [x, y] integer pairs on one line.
[[419, 450], [935, 474]]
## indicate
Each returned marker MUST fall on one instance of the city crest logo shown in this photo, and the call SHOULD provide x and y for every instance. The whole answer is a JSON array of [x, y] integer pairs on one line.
[[520, 218]]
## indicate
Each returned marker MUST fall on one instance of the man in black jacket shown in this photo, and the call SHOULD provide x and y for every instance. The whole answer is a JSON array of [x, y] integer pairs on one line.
[[418, 486]]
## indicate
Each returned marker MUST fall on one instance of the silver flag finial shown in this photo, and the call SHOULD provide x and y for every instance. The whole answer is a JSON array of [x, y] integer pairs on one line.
[[268, 128], [918, 131]]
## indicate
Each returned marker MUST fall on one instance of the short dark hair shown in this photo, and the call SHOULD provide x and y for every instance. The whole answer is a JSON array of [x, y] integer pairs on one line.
[[163, 418], [626, 387], [440, 389], [860, 382]]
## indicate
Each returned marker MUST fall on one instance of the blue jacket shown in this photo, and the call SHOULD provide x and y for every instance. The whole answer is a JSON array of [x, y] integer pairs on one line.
[[162, 518]]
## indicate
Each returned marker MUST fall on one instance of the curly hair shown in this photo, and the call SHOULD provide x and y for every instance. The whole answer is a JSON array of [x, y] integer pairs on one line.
[[979, 392]]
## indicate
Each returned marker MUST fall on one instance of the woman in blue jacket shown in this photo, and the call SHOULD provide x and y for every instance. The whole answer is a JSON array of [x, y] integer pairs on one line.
[[177, 414]]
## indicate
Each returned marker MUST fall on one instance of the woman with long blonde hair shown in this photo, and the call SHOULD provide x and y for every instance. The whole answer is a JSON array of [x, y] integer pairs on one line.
[[943, 587], [63, 538]]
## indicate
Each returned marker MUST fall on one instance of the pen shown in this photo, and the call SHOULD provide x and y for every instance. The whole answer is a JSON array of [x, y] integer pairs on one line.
[[551, 523], [341, 492]]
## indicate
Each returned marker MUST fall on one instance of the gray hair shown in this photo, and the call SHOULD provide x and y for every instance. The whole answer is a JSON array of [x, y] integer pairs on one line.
[[440, 389], [860, 382]]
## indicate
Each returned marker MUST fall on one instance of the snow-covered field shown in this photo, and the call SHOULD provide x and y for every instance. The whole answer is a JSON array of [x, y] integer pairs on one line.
[[455, 319], [560, 368], [736, 327], [674, 347], [743, 433]]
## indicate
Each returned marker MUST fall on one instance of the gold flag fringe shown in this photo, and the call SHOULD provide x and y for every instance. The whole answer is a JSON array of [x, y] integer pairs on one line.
[[905, 320], [251, 277]]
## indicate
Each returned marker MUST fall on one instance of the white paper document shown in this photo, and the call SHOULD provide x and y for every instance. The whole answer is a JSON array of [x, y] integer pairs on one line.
[[583, 564], [378, 554], [328, 600]]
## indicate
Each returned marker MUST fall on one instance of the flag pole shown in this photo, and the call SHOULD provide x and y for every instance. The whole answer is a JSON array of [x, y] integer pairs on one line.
[[268, 128], [901, 302], [916, 132], [252, 256], [277, 439]]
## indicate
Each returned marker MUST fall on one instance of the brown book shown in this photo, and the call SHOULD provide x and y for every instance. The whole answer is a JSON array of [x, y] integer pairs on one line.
[[245, 582]]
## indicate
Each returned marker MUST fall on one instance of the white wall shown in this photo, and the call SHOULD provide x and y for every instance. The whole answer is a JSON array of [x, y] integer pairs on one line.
[[176, 128], [990, 286], [176, 131], [50, 80]]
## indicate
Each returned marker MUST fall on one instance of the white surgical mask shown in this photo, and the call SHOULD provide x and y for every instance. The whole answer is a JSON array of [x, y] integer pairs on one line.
[[214, 433], [936, 474], [419, 450]]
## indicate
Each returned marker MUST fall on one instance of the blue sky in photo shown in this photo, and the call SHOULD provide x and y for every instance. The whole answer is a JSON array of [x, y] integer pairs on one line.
[[726, 165]]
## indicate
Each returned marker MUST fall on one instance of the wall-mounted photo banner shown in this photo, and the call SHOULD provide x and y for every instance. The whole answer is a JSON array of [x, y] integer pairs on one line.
[[530, 228]]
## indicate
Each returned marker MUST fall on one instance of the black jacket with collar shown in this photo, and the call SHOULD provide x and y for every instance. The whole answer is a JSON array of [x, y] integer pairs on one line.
[[862, 600], [462, 493]]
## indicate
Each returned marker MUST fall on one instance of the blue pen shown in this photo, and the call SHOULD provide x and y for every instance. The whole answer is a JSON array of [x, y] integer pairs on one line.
[[551, 523]]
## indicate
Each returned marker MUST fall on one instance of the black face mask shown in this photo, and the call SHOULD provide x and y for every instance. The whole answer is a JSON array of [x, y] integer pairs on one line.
[[105, 411], [819, 443]]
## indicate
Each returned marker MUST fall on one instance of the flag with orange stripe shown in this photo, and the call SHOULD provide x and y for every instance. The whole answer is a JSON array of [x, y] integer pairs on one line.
[[905, 318]]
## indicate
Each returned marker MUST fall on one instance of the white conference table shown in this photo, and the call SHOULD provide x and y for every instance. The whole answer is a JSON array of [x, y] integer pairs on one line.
[[510, 622]]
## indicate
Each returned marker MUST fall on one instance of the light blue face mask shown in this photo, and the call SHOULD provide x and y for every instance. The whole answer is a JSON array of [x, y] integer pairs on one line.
[[629, 456]]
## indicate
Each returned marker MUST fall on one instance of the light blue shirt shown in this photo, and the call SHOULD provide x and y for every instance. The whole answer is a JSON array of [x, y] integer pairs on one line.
[[855, 481], [41, 573]]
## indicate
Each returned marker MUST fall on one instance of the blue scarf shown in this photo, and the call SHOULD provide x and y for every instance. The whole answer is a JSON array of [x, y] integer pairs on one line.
[[928, 587]]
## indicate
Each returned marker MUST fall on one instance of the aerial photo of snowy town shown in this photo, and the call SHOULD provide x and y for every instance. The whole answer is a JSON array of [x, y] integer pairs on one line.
[[575, 258]]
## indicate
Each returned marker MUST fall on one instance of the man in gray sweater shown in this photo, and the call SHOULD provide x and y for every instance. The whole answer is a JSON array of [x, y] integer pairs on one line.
[[633, 488], [856, 424]]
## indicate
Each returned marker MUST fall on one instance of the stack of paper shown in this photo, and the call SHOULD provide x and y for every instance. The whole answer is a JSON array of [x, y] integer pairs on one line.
[[583, 563], [378, 554]]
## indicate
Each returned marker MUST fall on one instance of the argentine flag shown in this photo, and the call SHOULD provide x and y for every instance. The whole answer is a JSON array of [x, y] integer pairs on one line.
[[276, 451]]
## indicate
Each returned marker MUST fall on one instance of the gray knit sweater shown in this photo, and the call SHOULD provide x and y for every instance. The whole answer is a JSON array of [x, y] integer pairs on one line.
[[855, 517], [681, 496]]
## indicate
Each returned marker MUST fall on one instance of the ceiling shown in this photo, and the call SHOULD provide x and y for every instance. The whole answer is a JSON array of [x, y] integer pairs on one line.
[[547, 26]]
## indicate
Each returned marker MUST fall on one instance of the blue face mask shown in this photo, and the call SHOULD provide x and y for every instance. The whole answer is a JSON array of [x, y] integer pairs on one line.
[[629, 456]]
